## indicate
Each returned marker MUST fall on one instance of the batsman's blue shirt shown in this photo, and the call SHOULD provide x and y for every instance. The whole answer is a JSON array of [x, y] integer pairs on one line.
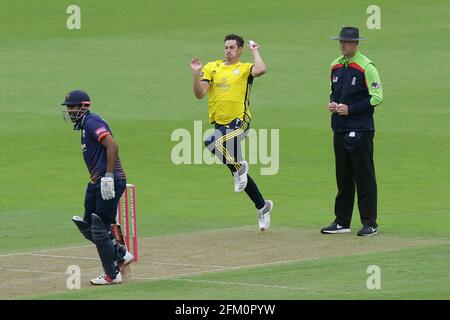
[[93, 130]]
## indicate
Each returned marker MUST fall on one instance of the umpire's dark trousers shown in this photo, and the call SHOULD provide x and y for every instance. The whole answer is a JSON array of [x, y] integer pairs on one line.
[[354, 167]]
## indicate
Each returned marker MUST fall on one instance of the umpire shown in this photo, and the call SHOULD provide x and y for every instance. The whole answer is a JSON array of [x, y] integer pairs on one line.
[[355, 92]]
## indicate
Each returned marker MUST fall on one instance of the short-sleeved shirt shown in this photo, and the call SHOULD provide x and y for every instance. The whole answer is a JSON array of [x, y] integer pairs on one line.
[[93, 130], [229, 91]]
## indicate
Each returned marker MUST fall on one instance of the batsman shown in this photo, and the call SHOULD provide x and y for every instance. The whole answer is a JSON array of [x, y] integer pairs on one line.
[[106, 186]]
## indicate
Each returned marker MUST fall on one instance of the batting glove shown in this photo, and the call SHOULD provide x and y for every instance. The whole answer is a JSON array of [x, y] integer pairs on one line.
[[107, 186]]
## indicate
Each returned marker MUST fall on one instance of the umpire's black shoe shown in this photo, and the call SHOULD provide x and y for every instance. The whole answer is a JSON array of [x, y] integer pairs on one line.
[[335, 228], [368, 231]]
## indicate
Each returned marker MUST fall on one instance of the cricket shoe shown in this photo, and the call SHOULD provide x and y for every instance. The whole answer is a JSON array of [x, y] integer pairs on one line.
[[127, 259], [104, 279], [335, 228], [264, 216], [240, 177], [368, 231]]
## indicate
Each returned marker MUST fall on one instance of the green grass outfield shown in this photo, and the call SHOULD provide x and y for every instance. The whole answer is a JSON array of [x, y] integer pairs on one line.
[[133, 59]]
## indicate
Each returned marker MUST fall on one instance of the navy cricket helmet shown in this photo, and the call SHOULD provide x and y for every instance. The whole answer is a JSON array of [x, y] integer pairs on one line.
[[76, 97], [77, 103]]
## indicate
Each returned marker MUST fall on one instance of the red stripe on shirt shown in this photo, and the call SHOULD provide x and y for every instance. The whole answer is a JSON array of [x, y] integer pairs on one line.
[[103, 135], [336, 66], [357, 67]]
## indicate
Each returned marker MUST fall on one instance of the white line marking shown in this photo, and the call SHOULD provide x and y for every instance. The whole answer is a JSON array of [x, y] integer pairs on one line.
[[235, 267], [45, 250], [244, 284], [183, 264], [140, 261], [169, 278], [177, 276], [33, 271], [44, 272], [225, 269], [265, 264], [59, 257]]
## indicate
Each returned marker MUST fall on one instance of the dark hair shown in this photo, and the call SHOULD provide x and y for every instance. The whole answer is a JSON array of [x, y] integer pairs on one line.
[[239, 39]]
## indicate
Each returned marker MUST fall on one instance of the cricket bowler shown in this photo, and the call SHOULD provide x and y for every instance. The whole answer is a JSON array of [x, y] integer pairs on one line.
[[106, 186], [228, 83]]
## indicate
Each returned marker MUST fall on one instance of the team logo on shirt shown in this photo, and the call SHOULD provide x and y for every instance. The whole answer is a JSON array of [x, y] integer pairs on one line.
[[353, 81], [100, 130], [335, 79], [376, 85], [236, 72], [224, 85]]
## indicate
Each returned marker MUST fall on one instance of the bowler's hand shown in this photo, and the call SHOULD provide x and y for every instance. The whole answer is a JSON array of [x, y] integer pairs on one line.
[[196, 65], [332, 107], [342, 109], [253, 46], [107, 188]]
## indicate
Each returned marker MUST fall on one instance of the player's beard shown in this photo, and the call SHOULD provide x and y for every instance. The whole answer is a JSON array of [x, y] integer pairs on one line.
[[74, 115]]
